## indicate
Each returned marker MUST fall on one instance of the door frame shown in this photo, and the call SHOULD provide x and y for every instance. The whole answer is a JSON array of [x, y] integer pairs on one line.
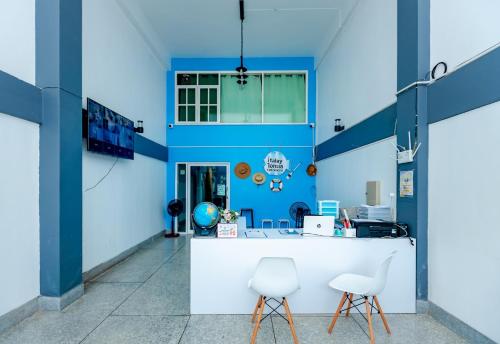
[[187, 206]]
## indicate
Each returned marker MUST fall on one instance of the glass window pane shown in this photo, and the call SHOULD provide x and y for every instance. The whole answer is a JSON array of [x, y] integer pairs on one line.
[[241, 104], [182, 95], [191, 113], [187, 79], [209, 79], [213, 114], [191, 96], [213, 96], [204, 96], [284, 98], [203, 113], [182, 113]]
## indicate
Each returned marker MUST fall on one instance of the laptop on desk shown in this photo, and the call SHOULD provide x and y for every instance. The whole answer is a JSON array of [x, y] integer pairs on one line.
[[317, 225]]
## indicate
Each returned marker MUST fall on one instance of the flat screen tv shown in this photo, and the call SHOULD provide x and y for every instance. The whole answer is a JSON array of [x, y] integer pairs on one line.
[[109, 132]]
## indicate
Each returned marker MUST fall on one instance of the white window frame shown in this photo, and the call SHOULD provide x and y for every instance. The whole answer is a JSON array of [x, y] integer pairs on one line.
[[196, 103], [199, 104], [262, 72]]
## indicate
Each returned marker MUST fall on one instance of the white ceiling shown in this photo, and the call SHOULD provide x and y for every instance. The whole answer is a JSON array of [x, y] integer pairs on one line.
[[210, 28]]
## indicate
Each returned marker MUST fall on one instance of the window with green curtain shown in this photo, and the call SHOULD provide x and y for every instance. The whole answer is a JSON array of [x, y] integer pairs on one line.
[[240, 104], [284, 98]]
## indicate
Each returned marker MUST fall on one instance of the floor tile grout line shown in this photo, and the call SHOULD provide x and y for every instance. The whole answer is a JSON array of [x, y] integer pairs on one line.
[[150, 315], [272, 326], [109, 314], [133, 292], [144, 249], [184, 331]]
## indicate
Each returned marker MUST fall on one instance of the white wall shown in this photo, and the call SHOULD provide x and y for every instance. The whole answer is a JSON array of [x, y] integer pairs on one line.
[[19, 220], [461, 29], [348, 185], [356, 79], [464, 258], [19, 162], [120, 72], [17, 38], [464, 234]]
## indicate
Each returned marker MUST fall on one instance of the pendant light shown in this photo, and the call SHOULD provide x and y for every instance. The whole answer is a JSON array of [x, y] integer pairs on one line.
[[241, 69]]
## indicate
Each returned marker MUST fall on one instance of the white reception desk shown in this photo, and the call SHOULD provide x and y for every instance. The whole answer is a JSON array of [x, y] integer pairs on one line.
[[221, 268]]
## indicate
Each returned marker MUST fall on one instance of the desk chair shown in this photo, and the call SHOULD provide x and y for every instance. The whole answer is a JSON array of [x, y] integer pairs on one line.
[[365, 287], [248, 213], [267, 222], [275, 278], [283, 223]]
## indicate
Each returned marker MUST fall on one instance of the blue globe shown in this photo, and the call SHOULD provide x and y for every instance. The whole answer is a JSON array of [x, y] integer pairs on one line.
[[206, 215]]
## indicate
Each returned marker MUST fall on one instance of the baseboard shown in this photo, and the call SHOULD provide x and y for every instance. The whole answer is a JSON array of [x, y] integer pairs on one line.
[[457, 325], [58, 303], [17, 315], [422, 307], [99, 269]]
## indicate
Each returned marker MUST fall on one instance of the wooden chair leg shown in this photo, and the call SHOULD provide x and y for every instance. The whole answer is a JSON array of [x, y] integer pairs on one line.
[[257, 306], [369, 317], [290, 321], [260, 310], [337, 313], [349, 302], [382, 315]]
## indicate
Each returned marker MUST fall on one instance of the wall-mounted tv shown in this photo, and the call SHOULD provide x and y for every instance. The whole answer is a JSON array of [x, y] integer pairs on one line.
[[109, 132]]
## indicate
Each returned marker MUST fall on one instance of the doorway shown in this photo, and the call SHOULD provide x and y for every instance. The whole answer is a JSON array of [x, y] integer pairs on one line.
[[200, 182]]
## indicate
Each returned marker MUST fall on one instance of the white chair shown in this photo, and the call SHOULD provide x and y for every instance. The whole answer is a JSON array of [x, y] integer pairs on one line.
[[284, 222], [274, 279], [268, 222], [365, 287]]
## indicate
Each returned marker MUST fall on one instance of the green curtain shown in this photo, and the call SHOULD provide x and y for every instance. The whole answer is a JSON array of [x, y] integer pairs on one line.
[[240, 104], [284, 98]]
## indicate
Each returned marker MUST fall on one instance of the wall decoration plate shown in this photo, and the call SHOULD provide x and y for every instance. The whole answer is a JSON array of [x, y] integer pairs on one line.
[[275, 163], [276, 185], [312, 170], [242, 170], [259, 178]]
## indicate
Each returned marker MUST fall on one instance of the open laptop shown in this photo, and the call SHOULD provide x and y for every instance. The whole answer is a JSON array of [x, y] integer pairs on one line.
[[319, 225]]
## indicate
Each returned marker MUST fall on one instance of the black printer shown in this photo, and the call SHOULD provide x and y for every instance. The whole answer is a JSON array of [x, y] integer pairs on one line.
[[378, 228]]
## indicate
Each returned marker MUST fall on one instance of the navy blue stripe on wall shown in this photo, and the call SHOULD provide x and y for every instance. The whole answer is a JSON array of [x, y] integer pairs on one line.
[[20, 99], [150, 148], [375, 128], [472, 86]]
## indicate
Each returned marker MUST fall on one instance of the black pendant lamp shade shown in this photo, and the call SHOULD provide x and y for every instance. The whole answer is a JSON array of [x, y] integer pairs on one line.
[[241, 69]]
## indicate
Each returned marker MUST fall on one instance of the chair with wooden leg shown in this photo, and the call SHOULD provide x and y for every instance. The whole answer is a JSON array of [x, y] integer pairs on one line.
[[274, 280], [365, 287]]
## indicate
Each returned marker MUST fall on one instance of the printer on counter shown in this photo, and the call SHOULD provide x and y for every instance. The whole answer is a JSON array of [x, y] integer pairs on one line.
[[378, 228]]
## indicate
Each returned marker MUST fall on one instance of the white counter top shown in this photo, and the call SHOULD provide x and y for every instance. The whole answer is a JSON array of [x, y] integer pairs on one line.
[[221, 268], [275, 234]]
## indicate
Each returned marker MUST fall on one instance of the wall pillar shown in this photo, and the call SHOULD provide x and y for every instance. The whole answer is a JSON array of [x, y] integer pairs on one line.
[[413, 65], [59, 76]]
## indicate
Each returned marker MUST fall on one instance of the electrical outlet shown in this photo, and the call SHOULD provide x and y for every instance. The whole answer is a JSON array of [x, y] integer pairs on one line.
[[405, 156]]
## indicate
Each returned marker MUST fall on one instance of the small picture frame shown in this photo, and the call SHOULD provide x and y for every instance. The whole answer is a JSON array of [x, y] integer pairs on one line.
[[227, 230]]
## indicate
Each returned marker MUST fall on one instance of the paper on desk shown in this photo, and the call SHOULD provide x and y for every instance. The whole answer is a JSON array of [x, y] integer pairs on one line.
[[255, 234]]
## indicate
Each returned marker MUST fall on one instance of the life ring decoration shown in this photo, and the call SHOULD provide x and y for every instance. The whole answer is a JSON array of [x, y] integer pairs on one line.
[[276, 185]]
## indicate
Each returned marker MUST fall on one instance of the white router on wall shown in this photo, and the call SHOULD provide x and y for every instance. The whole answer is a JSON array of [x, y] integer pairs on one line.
[[407, 155]]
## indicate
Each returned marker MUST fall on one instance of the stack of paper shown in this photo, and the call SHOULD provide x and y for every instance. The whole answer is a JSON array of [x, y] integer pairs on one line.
[[376, 212]]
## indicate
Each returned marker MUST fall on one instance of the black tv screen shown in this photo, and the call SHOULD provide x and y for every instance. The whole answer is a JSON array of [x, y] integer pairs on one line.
[[109, 132]]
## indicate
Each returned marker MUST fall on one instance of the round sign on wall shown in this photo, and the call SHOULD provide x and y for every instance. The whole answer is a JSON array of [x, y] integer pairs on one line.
[[275, 163]]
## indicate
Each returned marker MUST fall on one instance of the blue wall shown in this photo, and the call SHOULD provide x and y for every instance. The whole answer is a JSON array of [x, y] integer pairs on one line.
[[248, 143]]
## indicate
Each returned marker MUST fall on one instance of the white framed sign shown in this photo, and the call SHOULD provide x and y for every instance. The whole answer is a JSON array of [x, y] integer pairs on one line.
[[406, 183], [275, 163]]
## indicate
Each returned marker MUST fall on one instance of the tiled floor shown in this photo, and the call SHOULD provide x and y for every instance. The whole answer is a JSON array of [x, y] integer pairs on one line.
[[145, 299]]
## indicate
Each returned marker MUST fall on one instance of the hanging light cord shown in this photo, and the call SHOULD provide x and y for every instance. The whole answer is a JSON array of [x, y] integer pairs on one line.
[[241, 43]]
